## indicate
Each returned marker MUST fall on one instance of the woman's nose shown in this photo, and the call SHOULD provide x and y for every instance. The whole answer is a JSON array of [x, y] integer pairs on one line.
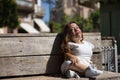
[[76, 29]]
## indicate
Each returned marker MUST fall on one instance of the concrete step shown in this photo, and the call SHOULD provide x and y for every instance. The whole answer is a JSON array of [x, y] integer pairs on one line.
[[105, 76], [108, 76]]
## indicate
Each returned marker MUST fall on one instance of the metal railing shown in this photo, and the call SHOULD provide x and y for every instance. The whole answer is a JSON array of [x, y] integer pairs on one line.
[[110, 57]]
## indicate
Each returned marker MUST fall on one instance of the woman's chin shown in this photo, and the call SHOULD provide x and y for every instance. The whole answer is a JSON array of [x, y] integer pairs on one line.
[[78, 35]]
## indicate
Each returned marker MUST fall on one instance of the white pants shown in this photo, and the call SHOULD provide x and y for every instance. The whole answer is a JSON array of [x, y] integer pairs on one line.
[[66, 64], [90, 72]]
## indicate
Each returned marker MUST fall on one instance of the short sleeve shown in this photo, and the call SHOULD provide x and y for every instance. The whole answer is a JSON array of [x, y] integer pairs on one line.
[[92, 46], [72, 45]]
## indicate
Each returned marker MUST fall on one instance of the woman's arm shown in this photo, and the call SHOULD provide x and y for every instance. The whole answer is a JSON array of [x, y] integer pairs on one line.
[[76, 65], [71, 57]]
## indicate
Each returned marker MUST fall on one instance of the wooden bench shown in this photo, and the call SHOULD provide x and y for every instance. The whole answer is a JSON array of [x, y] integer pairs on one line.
[[38, 56]]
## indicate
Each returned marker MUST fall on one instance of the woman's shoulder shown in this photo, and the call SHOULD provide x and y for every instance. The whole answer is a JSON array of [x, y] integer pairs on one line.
[[72, 44], [88, 43]]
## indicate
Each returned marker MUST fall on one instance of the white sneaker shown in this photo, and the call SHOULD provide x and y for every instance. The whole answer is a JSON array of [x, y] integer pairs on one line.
[[92, 72], [72, 74]]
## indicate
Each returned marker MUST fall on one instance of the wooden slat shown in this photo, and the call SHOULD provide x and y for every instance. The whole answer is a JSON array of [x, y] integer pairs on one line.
[[45, 78], [105, 76], [29, 65], [14, 46], [95, 39], [28, 35]]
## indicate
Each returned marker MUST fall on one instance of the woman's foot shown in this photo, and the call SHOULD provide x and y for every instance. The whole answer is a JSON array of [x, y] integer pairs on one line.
[[72, 74], [90, 72]]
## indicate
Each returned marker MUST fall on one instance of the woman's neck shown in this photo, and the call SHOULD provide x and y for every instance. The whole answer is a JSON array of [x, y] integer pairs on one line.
[[77, 40]]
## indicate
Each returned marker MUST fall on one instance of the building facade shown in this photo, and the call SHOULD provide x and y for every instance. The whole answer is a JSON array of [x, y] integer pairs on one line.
[[30, 13], [110, 20]]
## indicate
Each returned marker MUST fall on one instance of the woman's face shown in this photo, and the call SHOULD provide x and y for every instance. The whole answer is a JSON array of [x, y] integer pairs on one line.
[[75, 30]]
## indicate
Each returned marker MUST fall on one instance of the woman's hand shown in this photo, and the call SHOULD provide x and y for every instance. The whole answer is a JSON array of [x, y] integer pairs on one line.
[[74, 59], [90, 62]]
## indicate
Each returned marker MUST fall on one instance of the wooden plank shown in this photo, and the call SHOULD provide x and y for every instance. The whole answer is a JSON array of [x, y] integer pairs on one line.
[[28, 35], [97, 60], [45, 78], [107, 41], [29, 65], [95, 39], [105, 76], [21, 45], [15, 46]]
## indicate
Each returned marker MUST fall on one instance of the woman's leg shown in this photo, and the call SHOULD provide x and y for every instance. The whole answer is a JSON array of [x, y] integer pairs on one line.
[[78, 67], [65, 69], [72, 74], [88, 71], [82, 69]]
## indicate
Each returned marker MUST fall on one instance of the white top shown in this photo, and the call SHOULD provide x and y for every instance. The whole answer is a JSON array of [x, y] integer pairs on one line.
[[82, 51]]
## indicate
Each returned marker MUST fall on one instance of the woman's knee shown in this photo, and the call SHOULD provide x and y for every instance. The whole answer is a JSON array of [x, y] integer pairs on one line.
[[65, 66], [78, 67]]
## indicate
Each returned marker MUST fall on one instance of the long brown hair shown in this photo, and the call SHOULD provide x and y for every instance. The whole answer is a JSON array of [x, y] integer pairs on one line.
[[67, 38]]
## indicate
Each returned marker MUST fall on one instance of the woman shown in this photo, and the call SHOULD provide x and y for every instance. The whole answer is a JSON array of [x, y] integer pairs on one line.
[[77, 53]]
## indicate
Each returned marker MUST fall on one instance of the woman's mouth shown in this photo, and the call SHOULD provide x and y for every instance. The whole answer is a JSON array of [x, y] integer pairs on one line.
[[78, 32]]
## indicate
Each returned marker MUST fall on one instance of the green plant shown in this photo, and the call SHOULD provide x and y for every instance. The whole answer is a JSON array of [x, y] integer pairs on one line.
[[87, 25], [56, 26], [8, 14], [95, 19]]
